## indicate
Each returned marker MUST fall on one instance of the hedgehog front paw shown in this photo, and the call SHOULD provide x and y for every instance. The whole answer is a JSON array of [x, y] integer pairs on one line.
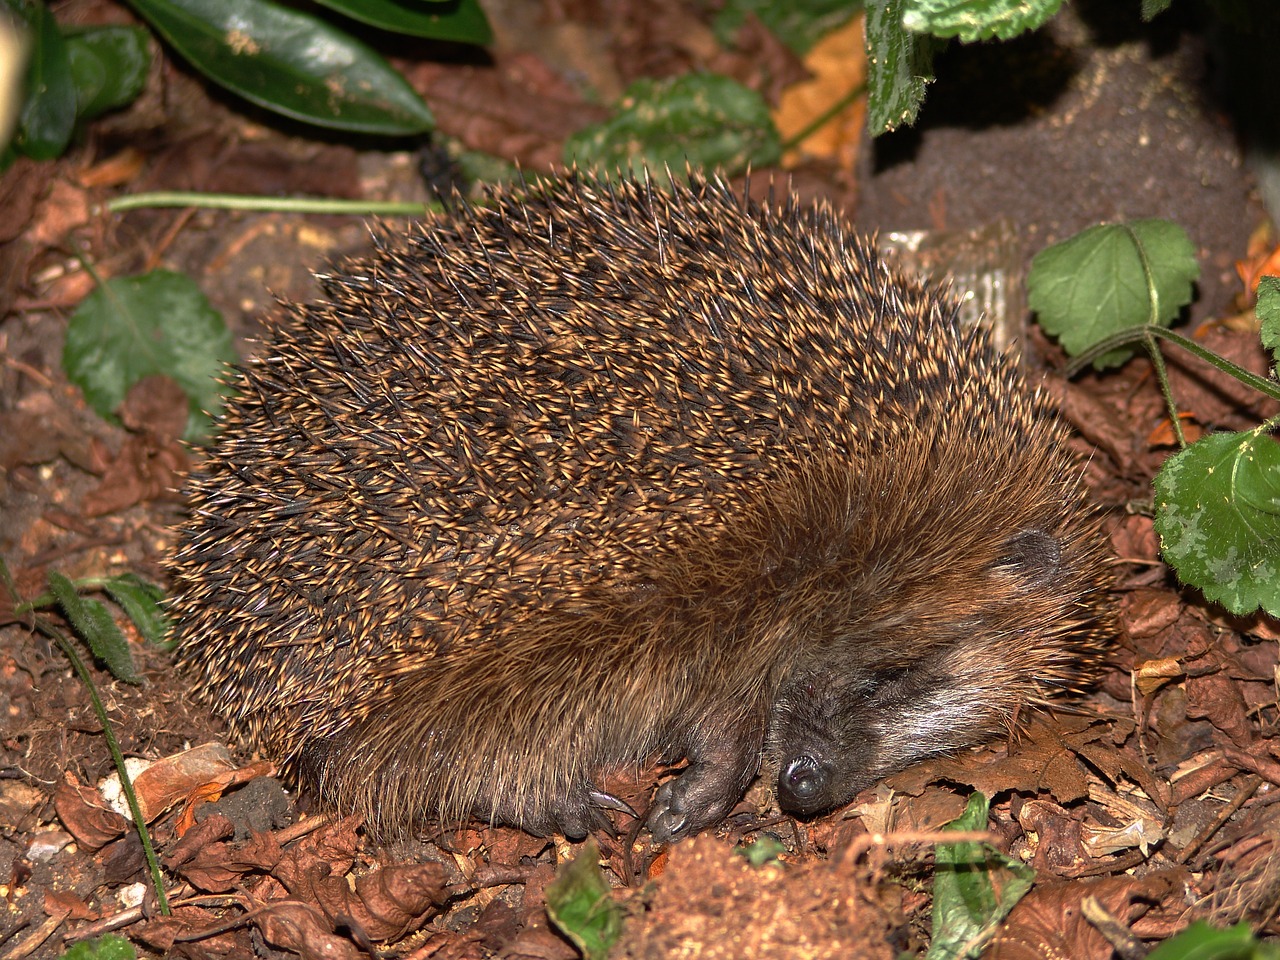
[[699, 798], [583, 812]]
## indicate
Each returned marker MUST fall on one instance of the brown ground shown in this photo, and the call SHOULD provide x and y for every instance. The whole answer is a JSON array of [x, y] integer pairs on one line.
[[1152, 796]]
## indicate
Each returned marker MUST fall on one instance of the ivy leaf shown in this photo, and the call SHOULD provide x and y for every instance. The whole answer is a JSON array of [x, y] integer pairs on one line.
[[1110, 278], [974, 886], [579, 904], [1218, 517], [702, 119], [291, 62], [156, 323], [972, 20], [92, 622]]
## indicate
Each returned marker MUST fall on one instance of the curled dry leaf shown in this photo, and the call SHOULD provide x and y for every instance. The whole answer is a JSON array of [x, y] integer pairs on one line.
[[171, 778], [1150, 675], [206, 861], [1049, 921], [303, 929], [86, 814], [386, 904]]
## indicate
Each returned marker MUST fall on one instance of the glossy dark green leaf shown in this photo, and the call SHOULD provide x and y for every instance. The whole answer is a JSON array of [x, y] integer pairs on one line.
[[290, 62], [48, 114], [461, 21], [92, 623], [108, 67]]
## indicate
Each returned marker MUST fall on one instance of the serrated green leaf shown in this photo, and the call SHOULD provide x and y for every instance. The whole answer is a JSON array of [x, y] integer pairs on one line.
[[1268, 312], [108, 66], [92, 623], [1110, 278], [580, 906], [899, 67], [135, 327], [797, 23], [974, 887], [48, 114], [109, 946], [291, 62], [971, 20], [140, 600], [1202, 942], [703, 119], [1218, 517], [460, 21]]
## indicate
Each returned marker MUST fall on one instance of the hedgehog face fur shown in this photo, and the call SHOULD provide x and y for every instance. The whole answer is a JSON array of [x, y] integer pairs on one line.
[[599, 474]]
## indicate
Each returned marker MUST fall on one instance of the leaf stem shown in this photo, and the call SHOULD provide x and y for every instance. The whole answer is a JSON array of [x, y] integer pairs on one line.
[[236, 201]]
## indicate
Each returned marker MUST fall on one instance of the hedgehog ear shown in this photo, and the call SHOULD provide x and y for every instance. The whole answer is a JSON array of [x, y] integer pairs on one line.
[[1032, 557]]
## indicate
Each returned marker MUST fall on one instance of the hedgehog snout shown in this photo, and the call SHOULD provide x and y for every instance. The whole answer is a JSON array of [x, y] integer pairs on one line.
[[803, 785]]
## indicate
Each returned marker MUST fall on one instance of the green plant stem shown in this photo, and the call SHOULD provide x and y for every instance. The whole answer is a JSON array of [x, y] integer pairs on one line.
[[236, 201], [1147, 335], [824, 118], [1162, 377], [54, 634]]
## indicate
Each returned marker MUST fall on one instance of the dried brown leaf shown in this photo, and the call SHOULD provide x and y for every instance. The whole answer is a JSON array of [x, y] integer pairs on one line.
[[1049, 922], [303, 929], [86, 814], [385, 905]]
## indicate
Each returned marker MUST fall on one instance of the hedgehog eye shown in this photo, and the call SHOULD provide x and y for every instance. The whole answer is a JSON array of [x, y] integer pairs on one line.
[[1033, 556]]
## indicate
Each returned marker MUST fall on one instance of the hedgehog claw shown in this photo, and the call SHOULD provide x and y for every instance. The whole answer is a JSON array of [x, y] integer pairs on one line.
[[609, 802]]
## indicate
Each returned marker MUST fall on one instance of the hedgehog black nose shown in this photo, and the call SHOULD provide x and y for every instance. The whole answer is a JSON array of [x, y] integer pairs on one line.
[[801, 785]]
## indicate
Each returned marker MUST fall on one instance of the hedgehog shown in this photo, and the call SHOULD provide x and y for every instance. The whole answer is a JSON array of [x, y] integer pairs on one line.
[[597, 474]]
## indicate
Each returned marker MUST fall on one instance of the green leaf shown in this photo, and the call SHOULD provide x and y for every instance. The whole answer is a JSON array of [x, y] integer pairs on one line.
[[765, 849], [140, 600], [797, 23], [1218, 517], [703, 119], [974, 888], [972, 20], [109, 946], [579, 904], [108, 66], [899, 66], [1268, 312], [1153, 8], [48, 114], [460, 21], [92, 623], [1202, 942], [135, 327], [290, 62], [1109, 278]]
